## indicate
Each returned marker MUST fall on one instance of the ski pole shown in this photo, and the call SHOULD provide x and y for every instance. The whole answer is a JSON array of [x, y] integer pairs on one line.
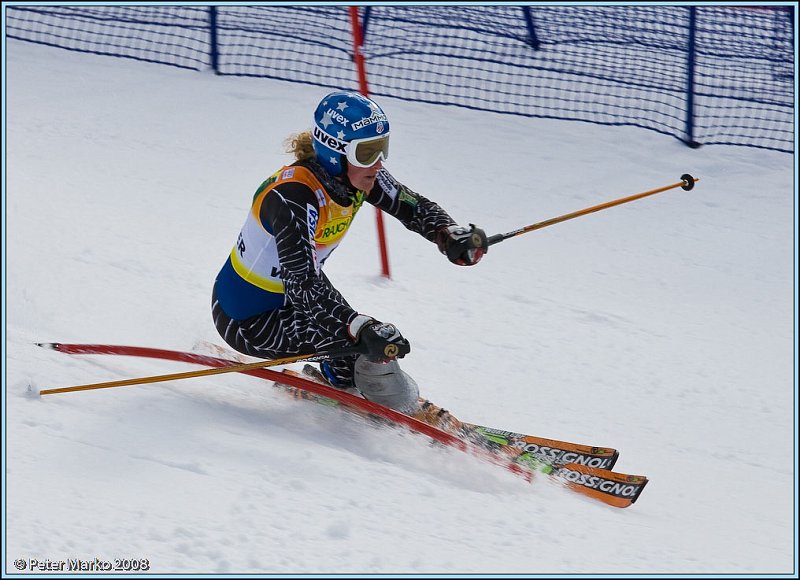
[[687, 183], [202, 373]]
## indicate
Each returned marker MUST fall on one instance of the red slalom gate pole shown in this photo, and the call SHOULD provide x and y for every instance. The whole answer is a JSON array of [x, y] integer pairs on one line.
[[358, 41]]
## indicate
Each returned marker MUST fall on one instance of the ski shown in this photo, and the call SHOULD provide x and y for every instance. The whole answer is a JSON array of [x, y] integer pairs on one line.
[[536, 449], [581, 468], [526, 449], [571, 464], [610, 487]]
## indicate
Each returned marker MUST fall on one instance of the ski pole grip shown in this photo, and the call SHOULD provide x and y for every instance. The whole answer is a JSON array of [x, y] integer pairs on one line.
[[491, 240]]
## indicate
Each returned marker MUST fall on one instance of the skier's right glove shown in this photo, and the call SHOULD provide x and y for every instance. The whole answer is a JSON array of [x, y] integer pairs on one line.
[[377, 340], [462, 246]]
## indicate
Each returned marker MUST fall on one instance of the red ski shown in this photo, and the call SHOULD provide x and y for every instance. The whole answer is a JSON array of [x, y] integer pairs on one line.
[[577, 466]]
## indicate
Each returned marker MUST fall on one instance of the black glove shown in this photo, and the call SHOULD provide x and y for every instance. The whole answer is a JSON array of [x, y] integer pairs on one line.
[[377, 340], [462, 246]]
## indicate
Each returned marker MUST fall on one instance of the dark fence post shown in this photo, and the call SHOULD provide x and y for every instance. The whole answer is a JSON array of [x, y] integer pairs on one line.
[[690, 54], [212, 24], [533, 40], [365, 23]]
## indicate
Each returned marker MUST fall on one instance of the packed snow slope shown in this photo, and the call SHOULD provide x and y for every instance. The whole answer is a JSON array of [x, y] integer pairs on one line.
[[663, 327]]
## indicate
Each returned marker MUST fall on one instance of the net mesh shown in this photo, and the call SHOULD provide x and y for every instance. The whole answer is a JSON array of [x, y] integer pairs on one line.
[[706, 74]]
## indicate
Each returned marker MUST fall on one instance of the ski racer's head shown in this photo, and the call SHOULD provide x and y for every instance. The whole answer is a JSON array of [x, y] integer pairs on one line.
[[350, 136]]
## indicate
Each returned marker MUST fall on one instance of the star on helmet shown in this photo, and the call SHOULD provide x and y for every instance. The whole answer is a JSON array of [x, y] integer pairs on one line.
[[326, 119], [341, 106]]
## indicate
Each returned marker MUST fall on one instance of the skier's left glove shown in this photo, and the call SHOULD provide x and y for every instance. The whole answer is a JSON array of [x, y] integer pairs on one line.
[[462, 246]]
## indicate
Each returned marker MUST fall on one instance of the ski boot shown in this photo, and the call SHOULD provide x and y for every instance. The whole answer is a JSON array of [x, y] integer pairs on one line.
[[438, 417]]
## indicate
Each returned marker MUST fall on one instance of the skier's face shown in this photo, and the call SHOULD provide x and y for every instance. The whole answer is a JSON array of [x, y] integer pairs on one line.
[[363, 178]]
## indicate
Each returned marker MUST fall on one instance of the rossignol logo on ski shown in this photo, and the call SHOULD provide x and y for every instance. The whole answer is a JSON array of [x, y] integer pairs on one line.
[[559, 456], [628, 490]]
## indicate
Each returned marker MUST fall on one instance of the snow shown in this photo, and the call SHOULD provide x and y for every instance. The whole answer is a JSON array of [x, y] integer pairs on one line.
[[664, 328]]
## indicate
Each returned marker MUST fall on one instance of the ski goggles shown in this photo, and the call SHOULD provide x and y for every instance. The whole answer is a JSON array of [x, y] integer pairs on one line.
[[366, 152]]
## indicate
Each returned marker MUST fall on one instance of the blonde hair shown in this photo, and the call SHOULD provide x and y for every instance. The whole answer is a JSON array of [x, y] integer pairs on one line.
[[300, 145]]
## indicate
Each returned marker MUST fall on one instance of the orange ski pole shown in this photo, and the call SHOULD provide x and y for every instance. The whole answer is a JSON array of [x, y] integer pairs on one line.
[[687, 183], [199, 373]]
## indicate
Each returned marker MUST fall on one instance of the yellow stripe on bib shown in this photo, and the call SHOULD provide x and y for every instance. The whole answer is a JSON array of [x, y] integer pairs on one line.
[[263, 282]]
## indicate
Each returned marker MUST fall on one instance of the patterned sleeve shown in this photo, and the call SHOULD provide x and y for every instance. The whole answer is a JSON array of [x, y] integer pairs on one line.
[[414, 211], [286, 212]]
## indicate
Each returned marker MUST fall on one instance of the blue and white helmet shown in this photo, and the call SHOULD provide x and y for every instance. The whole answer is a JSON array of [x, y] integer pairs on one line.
[[349, 127]]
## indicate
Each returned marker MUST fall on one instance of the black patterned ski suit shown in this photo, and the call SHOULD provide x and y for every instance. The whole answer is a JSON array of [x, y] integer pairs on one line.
[[271, 298]]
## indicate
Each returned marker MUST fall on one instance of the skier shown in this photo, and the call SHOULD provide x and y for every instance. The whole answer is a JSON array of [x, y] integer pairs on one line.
[[271, 298]]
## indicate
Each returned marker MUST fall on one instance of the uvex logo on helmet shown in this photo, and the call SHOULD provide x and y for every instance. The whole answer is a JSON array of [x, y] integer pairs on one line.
[[329, 140], [341, 117]]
